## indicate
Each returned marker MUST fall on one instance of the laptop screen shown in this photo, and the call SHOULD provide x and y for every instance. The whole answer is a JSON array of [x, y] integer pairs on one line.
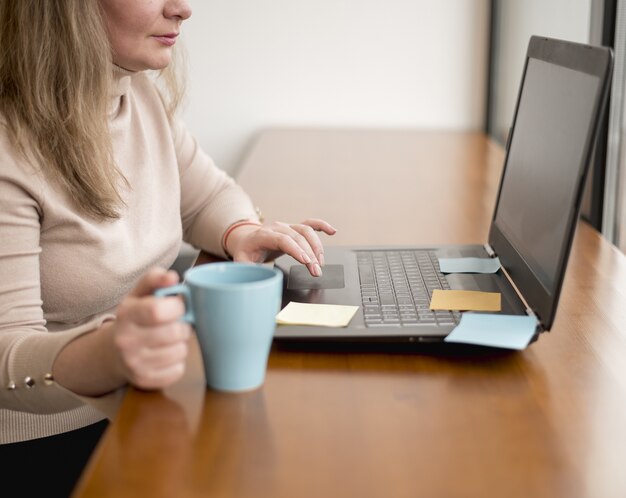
[[547, 159]]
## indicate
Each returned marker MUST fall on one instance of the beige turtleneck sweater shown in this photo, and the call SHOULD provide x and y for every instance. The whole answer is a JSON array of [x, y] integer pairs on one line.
[[62, 274]]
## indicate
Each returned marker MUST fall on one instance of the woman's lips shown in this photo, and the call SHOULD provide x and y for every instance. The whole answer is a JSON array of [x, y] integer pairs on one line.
[[168, 39]]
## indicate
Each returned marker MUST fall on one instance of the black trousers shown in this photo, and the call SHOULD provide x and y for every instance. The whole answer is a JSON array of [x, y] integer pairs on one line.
[[48, 467]]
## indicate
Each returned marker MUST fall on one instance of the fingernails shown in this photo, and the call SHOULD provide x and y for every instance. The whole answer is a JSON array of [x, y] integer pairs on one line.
[[320, 258], [317, 270], [305, 258]]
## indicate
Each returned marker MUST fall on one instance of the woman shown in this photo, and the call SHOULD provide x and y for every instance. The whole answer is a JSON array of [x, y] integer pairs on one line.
[[99, 182]]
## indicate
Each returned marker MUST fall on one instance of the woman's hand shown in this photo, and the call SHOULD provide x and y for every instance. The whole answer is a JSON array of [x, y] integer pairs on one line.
[[150, 341], [145, 345], [259, 243]]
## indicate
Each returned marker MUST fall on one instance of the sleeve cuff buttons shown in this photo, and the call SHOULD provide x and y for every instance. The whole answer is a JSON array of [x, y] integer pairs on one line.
[[29, 382]]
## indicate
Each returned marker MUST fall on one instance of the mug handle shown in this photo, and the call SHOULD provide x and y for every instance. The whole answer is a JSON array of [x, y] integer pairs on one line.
[[175, 290]]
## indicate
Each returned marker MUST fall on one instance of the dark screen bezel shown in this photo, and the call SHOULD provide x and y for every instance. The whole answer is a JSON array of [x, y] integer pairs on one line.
[[596, 61]]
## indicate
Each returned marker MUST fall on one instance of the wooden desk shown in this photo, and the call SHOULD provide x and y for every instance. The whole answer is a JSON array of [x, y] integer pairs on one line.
[[436, 422]]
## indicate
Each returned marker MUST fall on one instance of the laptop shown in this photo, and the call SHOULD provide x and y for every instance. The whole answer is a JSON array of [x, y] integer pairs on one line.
[[562, 95]]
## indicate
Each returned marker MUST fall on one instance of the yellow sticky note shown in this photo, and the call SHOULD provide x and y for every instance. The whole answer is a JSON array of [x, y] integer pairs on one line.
[[461, 300], [321, 315]]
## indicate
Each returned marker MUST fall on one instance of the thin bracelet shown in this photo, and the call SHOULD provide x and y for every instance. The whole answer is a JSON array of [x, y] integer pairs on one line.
[[237, 224]]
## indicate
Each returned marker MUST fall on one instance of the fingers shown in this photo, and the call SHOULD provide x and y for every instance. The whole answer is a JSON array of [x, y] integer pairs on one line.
[[283, 239], [301, 242], [312, 241], [150, 363], [152, 311], [150, 340], [166, 335], [130, 337], [315, 242], [144, 309], [160, 378], [320, 226], [153, 357], [154, 279]]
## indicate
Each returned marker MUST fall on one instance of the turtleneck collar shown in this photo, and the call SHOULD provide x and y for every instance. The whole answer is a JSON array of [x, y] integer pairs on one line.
[[119, 87]]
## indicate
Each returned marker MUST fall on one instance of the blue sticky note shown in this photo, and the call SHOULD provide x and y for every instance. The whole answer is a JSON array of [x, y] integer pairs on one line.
[[469, 265], [500, 331]]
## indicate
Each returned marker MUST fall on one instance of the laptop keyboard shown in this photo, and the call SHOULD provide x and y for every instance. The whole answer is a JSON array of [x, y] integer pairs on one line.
[[396, 287]]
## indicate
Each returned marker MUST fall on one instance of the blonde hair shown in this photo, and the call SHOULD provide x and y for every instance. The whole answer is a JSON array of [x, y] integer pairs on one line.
[[55, 81]]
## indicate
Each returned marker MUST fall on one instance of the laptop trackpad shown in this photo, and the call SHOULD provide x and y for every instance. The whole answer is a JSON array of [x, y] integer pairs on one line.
[[301, 279]]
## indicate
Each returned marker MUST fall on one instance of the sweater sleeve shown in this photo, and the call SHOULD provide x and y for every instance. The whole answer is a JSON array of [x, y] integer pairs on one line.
[[211, 200], [27, 348]]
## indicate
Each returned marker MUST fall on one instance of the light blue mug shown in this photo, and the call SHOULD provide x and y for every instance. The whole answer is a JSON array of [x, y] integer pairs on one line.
[[233, 308]]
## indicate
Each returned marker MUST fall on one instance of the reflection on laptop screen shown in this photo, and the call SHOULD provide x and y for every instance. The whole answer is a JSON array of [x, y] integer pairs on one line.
[[544, 163]]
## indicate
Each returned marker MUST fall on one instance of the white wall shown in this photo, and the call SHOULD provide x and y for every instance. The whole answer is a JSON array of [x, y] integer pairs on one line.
[[255, 64], [517, 21]]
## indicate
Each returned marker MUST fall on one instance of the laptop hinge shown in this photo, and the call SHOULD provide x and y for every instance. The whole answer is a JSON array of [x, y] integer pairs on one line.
[[492, 254], [530, 312]]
